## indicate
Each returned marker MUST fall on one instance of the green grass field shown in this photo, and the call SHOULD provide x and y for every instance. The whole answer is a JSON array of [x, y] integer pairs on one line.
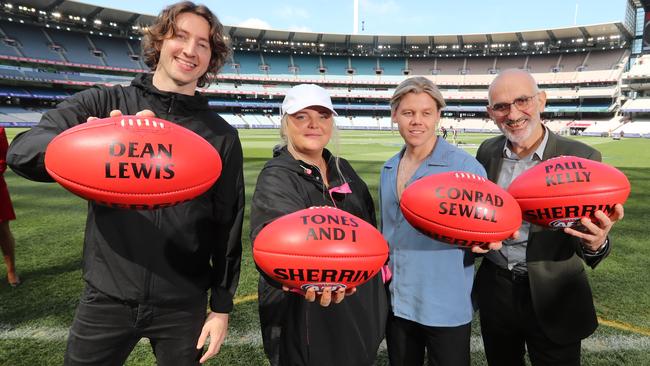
[[34, 318]]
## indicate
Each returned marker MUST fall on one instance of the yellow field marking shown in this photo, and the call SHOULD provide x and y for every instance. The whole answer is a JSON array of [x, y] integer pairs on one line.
[[245, 299], [609, 323], [624, 326]]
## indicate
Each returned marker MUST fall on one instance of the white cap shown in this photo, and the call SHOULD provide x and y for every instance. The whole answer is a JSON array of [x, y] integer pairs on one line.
[[306, 95]]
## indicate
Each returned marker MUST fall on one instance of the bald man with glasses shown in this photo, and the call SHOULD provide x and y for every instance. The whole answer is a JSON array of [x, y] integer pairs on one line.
[[533, 293]]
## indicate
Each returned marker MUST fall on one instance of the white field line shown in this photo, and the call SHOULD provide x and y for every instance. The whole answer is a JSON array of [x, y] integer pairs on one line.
[[599, 343]]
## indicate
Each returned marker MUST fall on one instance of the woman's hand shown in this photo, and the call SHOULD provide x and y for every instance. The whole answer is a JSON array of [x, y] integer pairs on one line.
[[325, 297]]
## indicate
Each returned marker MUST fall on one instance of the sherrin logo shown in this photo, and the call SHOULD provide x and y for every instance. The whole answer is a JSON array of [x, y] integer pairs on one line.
[[562, 223], [318, 287], [320, 247]]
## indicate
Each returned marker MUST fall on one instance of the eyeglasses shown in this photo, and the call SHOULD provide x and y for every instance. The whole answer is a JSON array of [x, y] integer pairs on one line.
[[522, 103]]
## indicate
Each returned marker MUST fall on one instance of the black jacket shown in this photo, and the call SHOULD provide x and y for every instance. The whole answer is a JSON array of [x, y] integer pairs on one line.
[[166, 256], [560, 291], [294, 331]]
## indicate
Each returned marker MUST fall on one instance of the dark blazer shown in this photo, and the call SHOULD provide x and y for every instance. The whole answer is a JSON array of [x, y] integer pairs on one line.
[[559, 288]]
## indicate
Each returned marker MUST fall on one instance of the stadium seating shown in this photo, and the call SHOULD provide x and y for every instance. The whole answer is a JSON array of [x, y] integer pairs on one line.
[[76, 47], [557, 126], [636, 105], [385, 123], [575, 82], [640, 128], [509, 62], [32, 41], [307, 65], [336, 65], [19, 117], [6, 47], [603, 128], [277, 64], [116, 52], [364, 65], [11, 73], [392, 66], [249, 63], [234, 120]]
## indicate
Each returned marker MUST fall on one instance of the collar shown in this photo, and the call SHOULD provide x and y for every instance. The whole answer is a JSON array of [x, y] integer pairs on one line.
[[171, 100], [284, 158], [536, 155], [435, 158]]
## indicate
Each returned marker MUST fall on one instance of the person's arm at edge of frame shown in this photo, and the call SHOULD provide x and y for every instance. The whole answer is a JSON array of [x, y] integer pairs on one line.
[[26, 154], [3, 159], [226, 260]]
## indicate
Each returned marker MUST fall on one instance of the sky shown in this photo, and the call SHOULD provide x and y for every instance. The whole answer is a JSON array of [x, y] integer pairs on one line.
[[399, 17]]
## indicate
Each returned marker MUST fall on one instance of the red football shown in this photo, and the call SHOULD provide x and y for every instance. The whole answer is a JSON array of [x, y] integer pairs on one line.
[[460, 208], [133, 162], [318, 247], [559, 191]]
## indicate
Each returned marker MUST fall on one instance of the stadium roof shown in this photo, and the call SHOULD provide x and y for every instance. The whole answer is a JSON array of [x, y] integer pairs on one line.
[[87, 11], [606, 29], [128, 23]]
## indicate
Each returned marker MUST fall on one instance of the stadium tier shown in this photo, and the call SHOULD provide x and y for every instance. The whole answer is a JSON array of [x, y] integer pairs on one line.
[[48, 54]]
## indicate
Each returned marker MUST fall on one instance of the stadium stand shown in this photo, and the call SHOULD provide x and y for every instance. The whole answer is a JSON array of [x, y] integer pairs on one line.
[[508, 62], [277, 64], [44, 59], [247, 63], [8, 45], [392, 67], [603, 128], [235, 120], [542, 63], [307, 65], [116, 51], [385, 123], [365, 65], [76, 47], [636, 105], [336, 65], [557, 126], [637, 128], [31, 41], [478, 66]]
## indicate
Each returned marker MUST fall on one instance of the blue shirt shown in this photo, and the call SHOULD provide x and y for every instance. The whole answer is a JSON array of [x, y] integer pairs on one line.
[[432, 281], [513, 252]]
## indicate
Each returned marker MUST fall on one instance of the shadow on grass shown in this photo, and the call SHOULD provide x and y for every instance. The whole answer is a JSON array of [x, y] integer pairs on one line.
[[49, 292]]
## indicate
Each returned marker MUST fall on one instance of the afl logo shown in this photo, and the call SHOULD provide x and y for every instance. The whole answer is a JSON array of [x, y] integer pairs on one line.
[[319, 287], [562, 223]]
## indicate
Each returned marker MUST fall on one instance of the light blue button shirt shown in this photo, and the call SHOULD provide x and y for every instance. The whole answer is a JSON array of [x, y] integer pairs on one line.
[[432, 281], [513, 252]]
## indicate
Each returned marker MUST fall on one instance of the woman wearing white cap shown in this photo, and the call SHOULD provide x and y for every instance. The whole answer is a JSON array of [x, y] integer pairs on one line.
[[333, 328]]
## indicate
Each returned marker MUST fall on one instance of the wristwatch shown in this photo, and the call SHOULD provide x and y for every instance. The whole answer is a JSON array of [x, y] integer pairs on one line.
[[600, 249]]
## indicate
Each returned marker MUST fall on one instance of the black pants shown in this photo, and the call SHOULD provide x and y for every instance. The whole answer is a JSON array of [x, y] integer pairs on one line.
[[105, 330], [445, 346], [509, 324], [273, 306]]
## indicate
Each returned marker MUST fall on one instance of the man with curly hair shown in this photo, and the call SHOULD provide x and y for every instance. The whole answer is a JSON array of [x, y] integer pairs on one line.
[[147, 272]]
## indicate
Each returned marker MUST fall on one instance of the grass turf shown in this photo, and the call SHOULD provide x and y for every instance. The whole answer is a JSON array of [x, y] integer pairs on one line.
[[49, 233]]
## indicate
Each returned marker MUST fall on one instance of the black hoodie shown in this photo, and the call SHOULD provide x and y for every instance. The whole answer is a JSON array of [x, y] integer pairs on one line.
[[167, 256], [294, 331]]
